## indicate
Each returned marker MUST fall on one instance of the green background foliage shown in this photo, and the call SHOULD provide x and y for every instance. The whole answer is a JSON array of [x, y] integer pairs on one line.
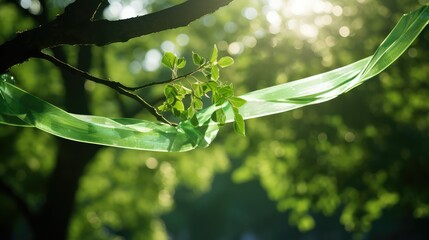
[[354, 166]]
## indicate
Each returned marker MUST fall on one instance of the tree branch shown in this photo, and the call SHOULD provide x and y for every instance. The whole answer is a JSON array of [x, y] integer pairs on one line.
[[168, 80], [85, 75], [80, 11], [117, 86], [66, 29], [103, 32]]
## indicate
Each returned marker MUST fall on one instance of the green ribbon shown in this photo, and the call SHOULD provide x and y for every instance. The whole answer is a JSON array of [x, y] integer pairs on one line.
[[19, 108]]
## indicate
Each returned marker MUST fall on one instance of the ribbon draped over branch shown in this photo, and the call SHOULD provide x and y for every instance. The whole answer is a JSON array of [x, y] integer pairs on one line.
[[19, 108]]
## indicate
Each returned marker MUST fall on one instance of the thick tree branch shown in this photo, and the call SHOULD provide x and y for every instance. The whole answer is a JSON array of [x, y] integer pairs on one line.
[[67, 30], [80, 11], [103, 32]]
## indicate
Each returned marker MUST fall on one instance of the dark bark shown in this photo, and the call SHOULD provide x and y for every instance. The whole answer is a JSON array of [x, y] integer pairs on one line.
[[55, 217], [73, 28], [80, 11], [72, 158], [76, 98]]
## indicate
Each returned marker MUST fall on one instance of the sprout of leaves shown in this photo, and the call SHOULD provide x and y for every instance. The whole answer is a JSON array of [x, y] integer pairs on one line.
[[184, 95]]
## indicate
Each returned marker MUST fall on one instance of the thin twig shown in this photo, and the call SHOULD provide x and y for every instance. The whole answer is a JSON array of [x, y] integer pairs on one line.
[[119, 87], [149, 107], [61, 64], [167, 81]]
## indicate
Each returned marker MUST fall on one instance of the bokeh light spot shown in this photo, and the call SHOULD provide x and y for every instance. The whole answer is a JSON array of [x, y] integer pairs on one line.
[[344, 31], [135, 67], [308, 30], [230, 27], [151, 163], [337, 10], [349, 137], [249, 13], [274, 18], [305, 7], [209, 20], [168, 46], [152, 60], [235, 48], [323, 20], [250, 41], [412, 52], [182, 39]]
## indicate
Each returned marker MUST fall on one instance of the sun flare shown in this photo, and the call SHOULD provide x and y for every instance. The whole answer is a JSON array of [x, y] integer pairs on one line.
[[302, 16], [302, 7]]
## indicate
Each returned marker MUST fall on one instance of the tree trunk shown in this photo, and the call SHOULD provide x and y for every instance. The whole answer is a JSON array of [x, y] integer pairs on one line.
[[55, 216], [72, 158]]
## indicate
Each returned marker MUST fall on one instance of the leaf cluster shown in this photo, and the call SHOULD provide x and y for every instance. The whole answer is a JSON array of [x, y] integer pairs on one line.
[[186, 94]]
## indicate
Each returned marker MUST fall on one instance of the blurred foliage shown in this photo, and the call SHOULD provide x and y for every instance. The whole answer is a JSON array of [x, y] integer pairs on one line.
[[360, 160]]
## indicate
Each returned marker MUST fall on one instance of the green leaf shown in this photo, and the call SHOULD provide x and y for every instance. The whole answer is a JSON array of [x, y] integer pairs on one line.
[[194, 121], [207, 72], [226, 91], [239, 124], [197, 59], [198, 89], [222, 94], [225, 62], [170, 90], [170, 93], [236, 101], [219, 117], [181, 91], [214, 73], [181, 63], [164, 107], [213, 58], [190, 112], [197, 103], [169, 60], [185, 90], [178, 108], [170, 100], [213, 85], [206, 86], [218, 99]]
